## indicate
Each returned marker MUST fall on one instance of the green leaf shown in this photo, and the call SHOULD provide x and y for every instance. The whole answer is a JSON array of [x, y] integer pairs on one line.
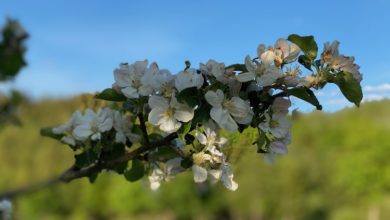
[[305, 61], [48, 132], [350, 88], [306, 95], [184, 129], [155, 137], [86, 158], [136, 172], [238, 67], [307, 44], [111, 95], [189, 96], [202, 114], [186, 163], [262, 143]]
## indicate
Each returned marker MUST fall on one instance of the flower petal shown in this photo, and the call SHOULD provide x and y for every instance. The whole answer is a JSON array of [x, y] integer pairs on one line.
[[246, 77], [82, 132], [158, 102], [223, 119], [200, 174], [130, 92], [215, 98]]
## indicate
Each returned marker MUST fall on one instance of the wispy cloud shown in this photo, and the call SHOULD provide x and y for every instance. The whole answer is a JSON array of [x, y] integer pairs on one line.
[[379, 88]]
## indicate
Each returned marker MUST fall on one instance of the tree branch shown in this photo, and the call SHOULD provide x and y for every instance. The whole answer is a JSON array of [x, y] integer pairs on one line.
[[143, 128], [76, 173]]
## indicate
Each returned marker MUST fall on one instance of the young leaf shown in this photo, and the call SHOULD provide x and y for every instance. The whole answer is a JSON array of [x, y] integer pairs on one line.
[[111, 95], [307, 44], [136, 172], [184, 129], [186, 163], [350, 88], [189, 96], [306, 95], [305, 61]]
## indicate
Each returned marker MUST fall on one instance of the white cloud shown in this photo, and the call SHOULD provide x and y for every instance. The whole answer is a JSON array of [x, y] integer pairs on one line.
[[378, 88]]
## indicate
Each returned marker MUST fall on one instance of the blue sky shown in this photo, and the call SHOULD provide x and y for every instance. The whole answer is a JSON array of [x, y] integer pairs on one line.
[[75, 45]]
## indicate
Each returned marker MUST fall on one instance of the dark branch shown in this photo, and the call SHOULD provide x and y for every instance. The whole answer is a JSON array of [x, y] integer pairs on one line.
[[76, 173], [143, 128]]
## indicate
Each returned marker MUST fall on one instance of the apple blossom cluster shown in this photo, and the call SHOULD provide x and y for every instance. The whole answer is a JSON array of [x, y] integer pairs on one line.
[[166, 124]]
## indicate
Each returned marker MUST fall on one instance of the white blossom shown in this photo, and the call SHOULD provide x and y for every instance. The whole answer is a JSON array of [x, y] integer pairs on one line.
[[282, 52], [128, 78], [123, 126], [217, 70], [332, 56], [227, 112], [225, 175], [187, 79], [276, 148], [210, 139], [165, 172], [199, 172], [6, 209], [93, 124], [278, 125], [66, 129], [168, 115], [264, 74], [155, 80]]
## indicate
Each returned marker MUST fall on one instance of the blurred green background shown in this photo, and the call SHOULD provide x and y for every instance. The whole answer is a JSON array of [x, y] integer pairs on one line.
[[337, 168]]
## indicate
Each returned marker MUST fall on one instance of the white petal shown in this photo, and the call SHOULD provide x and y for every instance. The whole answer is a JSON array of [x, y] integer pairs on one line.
[[249, 64], [215, 98], [156, 115], [223, 119], [201, 138], [246, 77], [184, 115], [227, 178], [294, 52], [122, 76], [260, 50], [215, 174], [96, 136], [268, 57], [68, 140], [158, 102], [130, 92], [282, 44], [278, 147], [200, 174], [169, 124], [82, 132], [106, 125]]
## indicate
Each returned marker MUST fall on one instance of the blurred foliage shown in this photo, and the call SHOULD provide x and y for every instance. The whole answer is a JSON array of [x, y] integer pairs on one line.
[[337, 168], [12, 51]]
